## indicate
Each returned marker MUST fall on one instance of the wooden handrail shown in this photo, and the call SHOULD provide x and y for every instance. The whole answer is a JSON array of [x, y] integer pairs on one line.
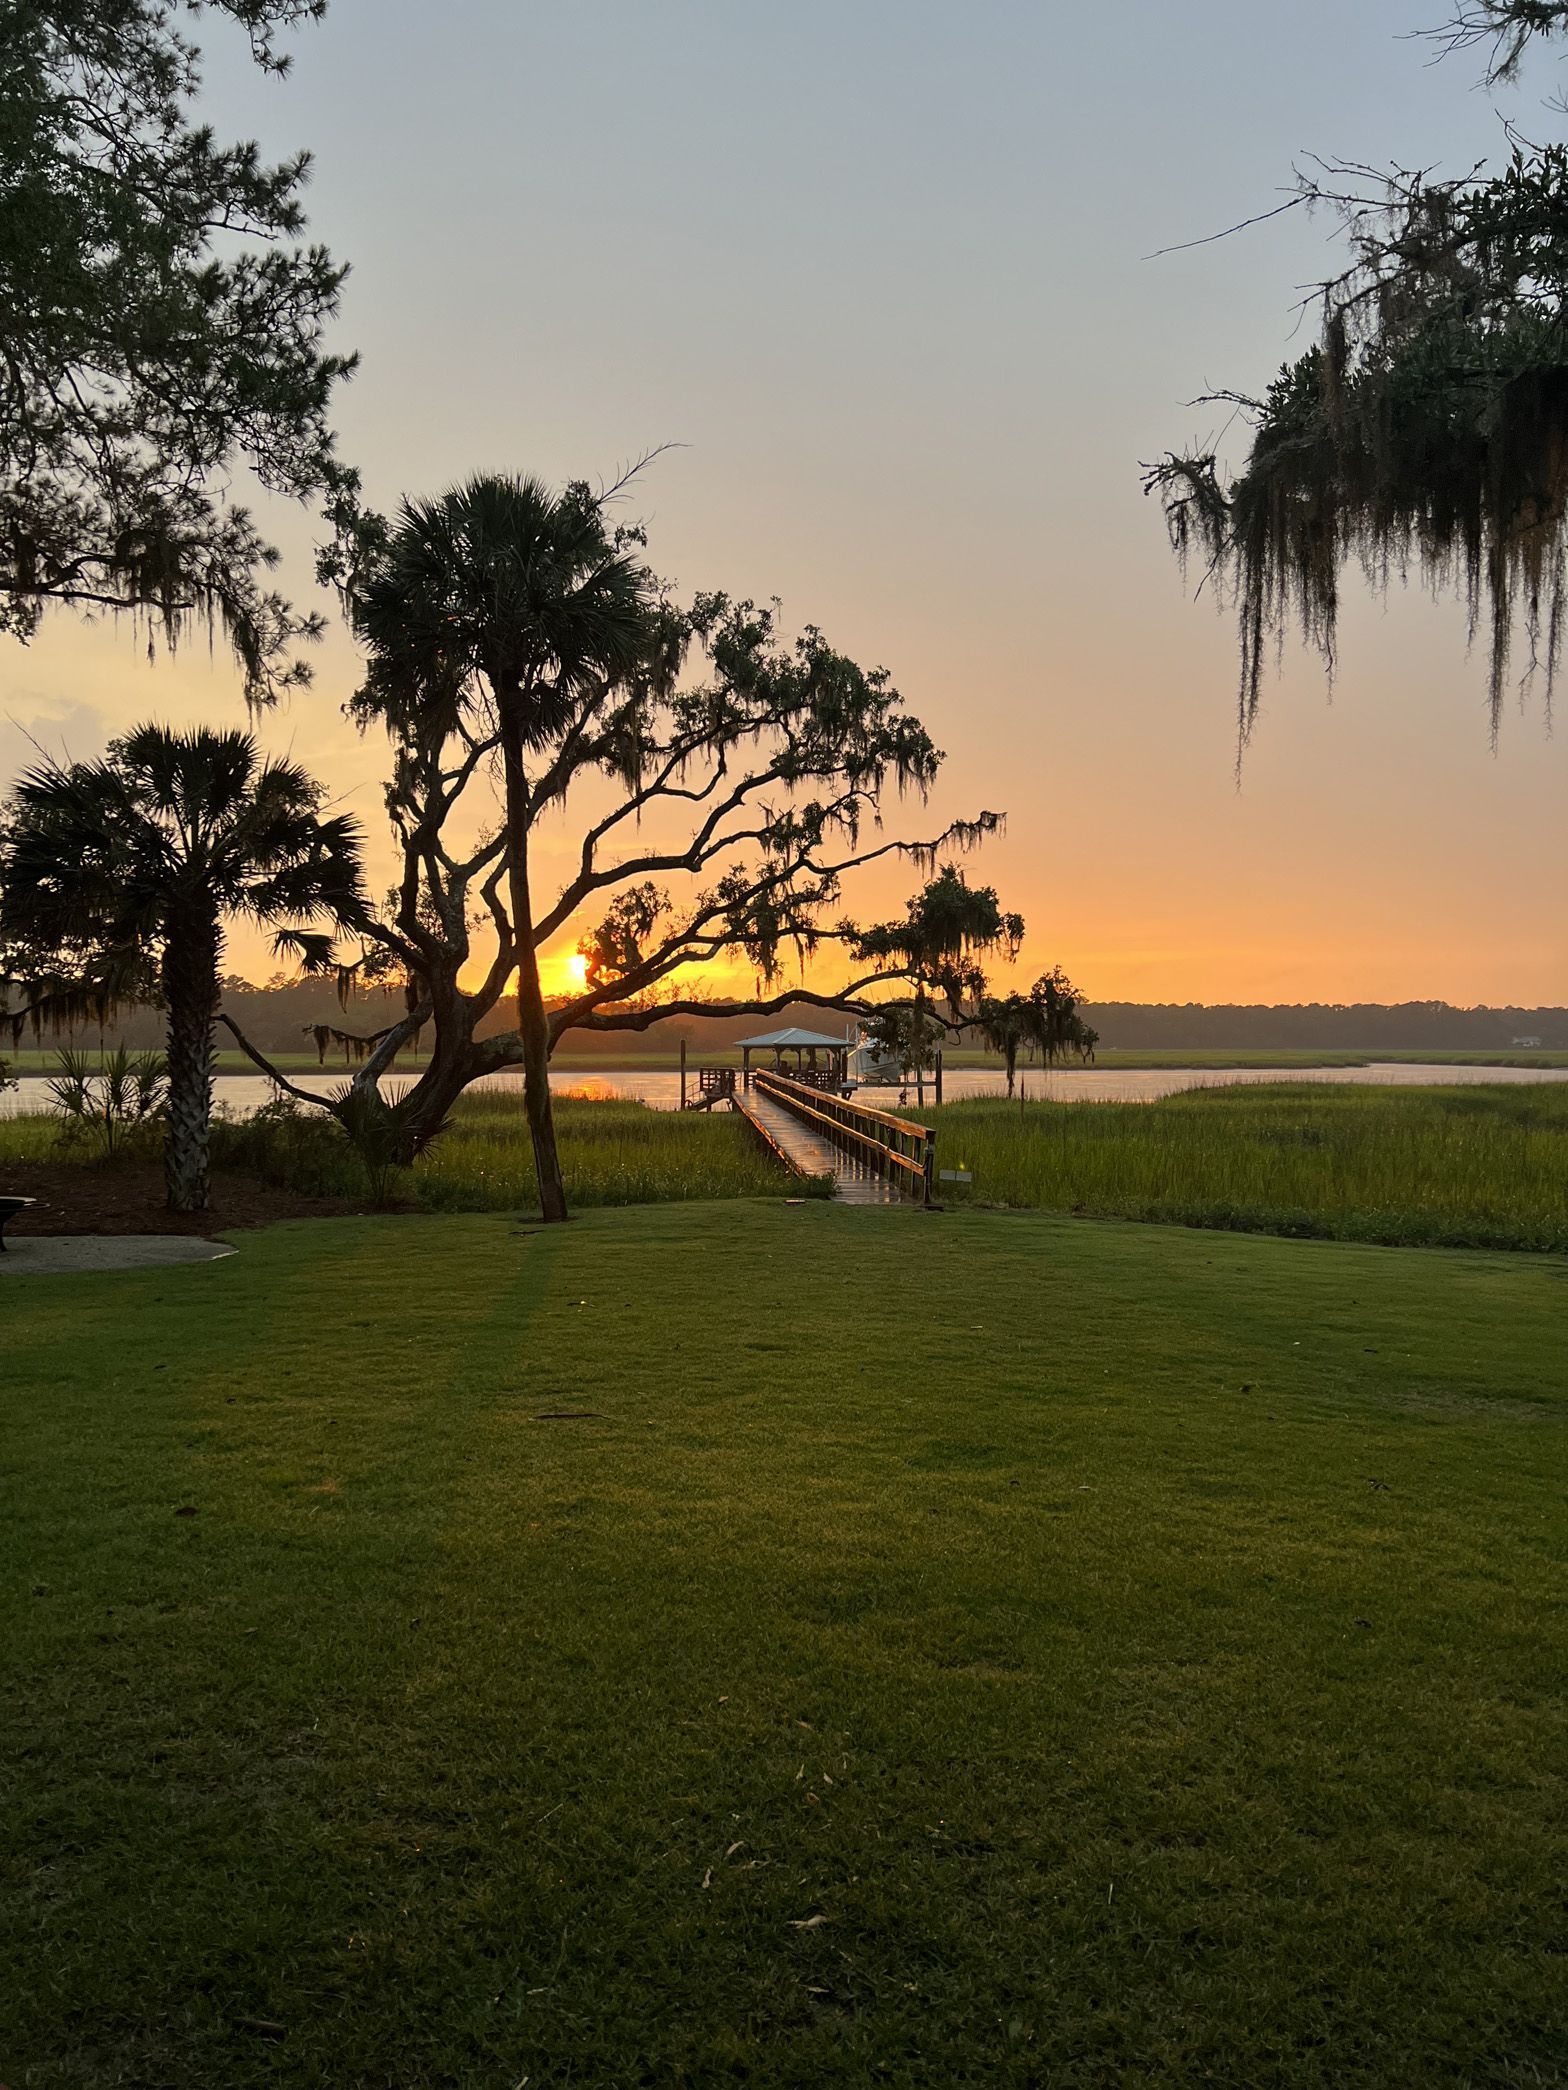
[[865, 1110], [794, 1096], [879, 1147]]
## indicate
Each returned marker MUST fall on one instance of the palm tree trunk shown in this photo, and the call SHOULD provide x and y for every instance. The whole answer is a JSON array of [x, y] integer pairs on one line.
[[190, 989], [1012, 1066], [533, 1025]]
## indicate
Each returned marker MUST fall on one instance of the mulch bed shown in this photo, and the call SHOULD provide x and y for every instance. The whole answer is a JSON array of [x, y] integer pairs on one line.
[[86, 1198]]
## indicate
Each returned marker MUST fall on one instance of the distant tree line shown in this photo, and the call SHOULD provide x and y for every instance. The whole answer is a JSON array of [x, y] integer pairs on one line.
[[281, 1014], [1409, 1026]]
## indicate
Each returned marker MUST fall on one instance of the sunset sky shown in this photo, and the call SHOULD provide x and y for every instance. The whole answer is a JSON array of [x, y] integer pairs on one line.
[[879, 267]]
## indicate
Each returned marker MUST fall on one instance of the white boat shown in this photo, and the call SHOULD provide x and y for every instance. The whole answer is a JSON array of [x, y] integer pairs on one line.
[[868, 1065]]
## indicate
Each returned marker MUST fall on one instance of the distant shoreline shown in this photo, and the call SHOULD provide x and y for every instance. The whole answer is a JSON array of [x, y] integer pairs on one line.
[[32, 1063]]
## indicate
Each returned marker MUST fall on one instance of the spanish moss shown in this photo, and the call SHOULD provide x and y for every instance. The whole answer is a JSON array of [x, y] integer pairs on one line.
[[1424, 435]]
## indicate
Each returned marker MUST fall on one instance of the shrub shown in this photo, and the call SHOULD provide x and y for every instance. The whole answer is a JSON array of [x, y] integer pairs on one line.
[[114, 1106], [290, 1147]]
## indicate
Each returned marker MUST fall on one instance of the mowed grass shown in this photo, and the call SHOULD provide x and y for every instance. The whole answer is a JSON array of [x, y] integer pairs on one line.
[[1480, 1167], [818, 1647]]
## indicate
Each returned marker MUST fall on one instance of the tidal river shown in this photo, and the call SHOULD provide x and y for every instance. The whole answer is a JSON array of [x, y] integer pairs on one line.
[[241, 1093]]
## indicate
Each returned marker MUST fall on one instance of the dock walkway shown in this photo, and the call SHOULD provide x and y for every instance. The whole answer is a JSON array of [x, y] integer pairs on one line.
[[809, 1150]]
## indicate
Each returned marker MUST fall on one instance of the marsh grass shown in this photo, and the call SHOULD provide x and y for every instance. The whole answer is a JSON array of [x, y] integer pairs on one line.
[[36, 1136], [614, 1153], [1483, 1167], [1456, 1167], [611, 1153]]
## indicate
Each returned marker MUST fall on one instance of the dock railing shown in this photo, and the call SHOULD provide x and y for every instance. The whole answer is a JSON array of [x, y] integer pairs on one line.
[[898, 1148]]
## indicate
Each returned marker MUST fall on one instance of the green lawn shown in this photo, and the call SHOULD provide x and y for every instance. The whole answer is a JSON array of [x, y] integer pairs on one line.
[[941, 1651]]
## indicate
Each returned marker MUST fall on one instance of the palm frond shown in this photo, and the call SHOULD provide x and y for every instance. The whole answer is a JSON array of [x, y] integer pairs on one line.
[[97, 859], [500, 590]]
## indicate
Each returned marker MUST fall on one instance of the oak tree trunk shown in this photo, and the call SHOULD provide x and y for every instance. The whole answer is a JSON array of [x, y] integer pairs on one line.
[[423, 1109], [190, 989], [533, 1025]]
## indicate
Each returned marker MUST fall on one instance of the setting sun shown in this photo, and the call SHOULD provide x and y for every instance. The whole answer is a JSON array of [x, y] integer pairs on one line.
[[574, 970]]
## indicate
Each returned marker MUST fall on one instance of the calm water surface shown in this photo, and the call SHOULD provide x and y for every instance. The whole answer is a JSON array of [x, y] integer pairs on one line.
[[240, 1094], [1077, 1084]]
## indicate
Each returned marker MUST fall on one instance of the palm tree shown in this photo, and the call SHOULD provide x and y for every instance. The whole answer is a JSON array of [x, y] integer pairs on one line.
[[117, 876], [506, 605]]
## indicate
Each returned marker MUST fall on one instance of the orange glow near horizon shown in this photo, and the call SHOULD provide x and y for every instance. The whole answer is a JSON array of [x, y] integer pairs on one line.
[[966, 510], [1369, 853]]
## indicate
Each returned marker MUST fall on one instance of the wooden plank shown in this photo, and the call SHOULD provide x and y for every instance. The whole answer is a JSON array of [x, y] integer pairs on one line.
[[766, 1134], [862, 1173]]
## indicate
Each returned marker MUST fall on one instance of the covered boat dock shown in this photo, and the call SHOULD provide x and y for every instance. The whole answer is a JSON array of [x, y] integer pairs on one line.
[[818, 1060]]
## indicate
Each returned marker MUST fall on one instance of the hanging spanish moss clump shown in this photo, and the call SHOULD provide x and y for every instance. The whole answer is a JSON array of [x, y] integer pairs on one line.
[[356, 1045], [1505, 29], [1425, 435]]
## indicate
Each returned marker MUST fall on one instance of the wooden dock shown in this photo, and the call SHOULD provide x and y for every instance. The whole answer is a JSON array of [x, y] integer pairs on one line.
[[871, 1156]]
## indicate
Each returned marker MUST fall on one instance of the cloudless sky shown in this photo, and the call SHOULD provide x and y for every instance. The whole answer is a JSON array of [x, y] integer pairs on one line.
[[879, 265]]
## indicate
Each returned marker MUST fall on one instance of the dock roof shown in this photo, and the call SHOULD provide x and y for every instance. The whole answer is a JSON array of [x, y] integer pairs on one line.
[[776, 1038]]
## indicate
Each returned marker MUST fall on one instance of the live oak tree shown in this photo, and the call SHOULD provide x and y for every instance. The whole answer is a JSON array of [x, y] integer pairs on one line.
[[703, 784], [1426, 429], [1044, 1021], [116, 880], [161, 331], [906, 1035], [939, 942]]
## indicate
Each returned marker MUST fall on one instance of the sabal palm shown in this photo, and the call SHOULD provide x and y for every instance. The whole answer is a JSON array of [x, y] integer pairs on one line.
[[130, 867], [502, 603], [500, 587]]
